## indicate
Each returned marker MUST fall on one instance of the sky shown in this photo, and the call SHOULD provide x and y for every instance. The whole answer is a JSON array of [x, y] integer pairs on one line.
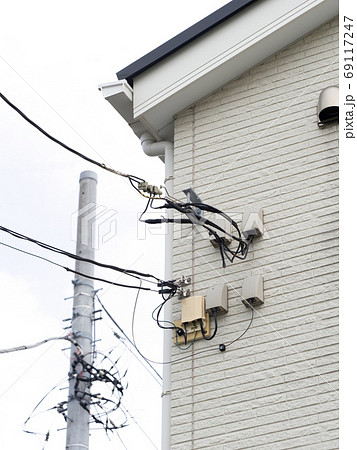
[[52, 59], [53, 56]]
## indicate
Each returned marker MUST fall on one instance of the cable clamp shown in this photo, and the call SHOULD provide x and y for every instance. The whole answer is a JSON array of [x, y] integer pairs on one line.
[[184, 281], [149, 188], [80, 334], [182, 293]]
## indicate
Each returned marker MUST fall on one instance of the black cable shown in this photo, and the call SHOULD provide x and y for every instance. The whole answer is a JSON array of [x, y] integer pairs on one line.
[[214, 310], [79, 273], [57, 141], [129, 272], [159, 309], [194, 218], [38, 404], [200, 352], [250, 323]]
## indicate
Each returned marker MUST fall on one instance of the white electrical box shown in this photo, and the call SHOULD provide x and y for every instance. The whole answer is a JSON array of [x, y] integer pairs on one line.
[[217, 297], [252, 288], [252, 221], [193, 308]]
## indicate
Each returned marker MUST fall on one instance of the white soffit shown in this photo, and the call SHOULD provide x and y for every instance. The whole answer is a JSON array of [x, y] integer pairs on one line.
[[221, 55], [213, 60]]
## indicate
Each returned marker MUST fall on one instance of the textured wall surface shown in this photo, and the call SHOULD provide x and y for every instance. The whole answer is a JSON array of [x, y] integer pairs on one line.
[[256, 142]]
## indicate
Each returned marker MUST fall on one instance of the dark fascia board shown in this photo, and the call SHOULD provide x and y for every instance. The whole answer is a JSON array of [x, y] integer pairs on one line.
[[182, 39]]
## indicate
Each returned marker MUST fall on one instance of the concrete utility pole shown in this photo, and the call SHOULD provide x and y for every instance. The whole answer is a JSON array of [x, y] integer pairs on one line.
[[77, 414]]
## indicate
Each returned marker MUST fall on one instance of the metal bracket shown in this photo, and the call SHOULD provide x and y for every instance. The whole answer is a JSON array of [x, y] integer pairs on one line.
[[192, 197], [182, 292]]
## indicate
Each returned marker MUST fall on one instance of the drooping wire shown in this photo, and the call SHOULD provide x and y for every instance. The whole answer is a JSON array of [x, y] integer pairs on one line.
[[214, 310], [193, 218], [44, 341], [141, 429], [158, 310], [129, 272], [199, 352], [245, 331], [75, 152], [31, 415], [78, 273], [129, 340]]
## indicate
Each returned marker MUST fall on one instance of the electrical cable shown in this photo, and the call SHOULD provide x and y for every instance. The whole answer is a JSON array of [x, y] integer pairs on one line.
[[31, 415], [193, 218], [75, 152], [37, 344], [187, 346], [79, 273], [245, 331], [129, 340], [141, 429], [221, 347], [214, 310], [159, 309], [129, 272], [86, 376]]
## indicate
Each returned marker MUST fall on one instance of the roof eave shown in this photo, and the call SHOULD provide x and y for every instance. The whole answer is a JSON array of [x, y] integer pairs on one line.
[[171, 46]]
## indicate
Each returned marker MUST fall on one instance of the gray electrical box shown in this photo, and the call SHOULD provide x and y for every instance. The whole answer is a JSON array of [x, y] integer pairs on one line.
[[225, 225], [252, 288], [217, 297], [252, 222]]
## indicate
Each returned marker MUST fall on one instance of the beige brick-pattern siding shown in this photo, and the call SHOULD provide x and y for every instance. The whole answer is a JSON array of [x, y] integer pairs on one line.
[[256, 142]]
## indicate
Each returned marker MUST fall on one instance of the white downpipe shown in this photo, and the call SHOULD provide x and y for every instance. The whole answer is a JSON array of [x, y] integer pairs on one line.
[[166, 149]]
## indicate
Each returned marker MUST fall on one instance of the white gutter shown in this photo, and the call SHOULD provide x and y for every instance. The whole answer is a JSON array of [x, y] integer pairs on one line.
[[165, 149]]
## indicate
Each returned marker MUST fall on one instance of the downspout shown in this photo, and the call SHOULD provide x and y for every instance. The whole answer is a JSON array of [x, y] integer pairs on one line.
[[165, 149]]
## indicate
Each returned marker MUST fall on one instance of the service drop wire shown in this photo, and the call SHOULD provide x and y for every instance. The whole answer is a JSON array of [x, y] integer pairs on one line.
[[75, 152], [44, 341], [103, 280], [129, 272], [132, 273]]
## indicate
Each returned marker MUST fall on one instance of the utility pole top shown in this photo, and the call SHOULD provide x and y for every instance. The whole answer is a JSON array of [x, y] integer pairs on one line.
[[88, 174]]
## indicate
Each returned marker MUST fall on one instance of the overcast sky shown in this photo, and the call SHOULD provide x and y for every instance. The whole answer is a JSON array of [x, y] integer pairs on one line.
[[52, 58]]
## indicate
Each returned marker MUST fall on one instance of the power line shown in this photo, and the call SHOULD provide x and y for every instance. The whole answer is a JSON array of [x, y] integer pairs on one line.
[[37, 344], [78, 273], [129, 272], [75, 152]]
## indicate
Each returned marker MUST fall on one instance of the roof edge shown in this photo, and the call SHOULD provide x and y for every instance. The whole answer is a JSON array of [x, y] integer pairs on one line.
[[185, 37]]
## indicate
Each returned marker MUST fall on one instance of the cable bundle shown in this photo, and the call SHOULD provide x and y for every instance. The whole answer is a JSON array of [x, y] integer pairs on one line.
[[194, 218]]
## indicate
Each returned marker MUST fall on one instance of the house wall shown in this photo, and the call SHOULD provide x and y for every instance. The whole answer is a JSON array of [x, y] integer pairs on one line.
[[256, 142]]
